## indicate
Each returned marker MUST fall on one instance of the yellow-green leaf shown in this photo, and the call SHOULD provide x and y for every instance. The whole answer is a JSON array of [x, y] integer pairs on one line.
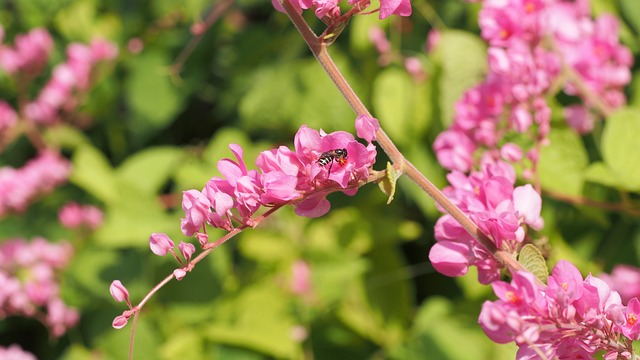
[[532, 260]]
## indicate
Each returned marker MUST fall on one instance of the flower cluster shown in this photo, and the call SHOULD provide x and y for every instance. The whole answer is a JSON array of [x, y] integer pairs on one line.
[[29, 282], [329, 10], [320, 163], [488, 197], [571, 318], [522, 68], [18, 187], [69, 81], [29, 54], [73, 216], [304, 176]]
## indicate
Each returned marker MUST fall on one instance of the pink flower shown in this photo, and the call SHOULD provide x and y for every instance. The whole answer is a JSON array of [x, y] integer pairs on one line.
[[511, 152], [366, 127], [196, 209], [160, 244], [528, 204], [8, 116], [454, 150], [15, 352], [579, 118], [73, 215], [631, 328], [624, 279], [394, 7]]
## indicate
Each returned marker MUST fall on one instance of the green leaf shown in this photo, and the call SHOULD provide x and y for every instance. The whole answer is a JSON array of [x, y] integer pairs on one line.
[[562, 163], [257, 318], [132, 218], [378, 308], [436, 333], [267, 247], [599, 173], [400, 104], [532, 260], [620, 147], [388, 183], [93, 173], [631, 13], [150, 93], [66, 136], [462, 57], [150, 169]]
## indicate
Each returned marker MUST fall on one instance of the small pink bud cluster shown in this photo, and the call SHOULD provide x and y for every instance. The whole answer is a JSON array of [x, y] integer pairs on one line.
[[303, 177], [330, 9], [412, 64], [8, 117], [488, 197], [18, 187], [69, 81], [74, 216], [29, 282], [161, 245], [571, 318], [522, 69], [29, 54], [120, 293], [15, 352]]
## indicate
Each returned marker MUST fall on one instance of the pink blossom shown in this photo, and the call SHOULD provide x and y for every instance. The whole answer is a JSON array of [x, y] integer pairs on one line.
[[160, 244], [394, 7], [433, 40], [528, 204], [39, 176], [511, 152], [366, 127], [624, 279], [8, 116], [196, 208], [579, 118], [29, 54], [73, 215], [454, 150], [15, 352]]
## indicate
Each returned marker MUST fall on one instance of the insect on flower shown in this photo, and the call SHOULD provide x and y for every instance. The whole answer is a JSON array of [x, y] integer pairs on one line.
[[328, 157]]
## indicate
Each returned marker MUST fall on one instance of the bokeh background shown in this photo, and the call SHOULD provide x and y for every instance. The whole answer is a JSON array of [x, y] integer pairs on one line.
[[354, 284]]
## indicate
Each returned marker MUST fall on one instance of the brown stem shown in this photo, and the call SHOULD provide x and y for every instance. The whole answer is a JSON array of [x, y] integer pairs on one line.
[[319, 50], [219, 9], [623, 207]]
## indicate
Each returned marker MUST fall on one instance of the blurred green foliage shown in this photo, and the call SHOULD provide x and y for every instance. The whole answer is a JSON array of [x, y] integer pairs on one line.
[[252, 81]]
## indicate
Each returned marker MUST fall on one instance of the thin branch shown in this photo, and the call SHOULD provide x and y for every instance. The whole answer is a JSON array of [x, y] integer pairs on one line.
[[319, 50], [218, 10]]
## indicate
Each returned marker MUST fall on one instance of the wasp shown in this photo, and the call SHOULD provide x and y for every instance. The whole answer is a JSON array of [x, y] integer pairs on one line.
[[328, 157]]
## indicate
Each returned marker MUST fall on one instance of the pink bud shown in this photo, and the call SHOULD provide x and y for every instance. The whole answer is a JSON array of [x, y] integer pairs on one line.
[[179, 274], [511, 152], [118, 291], [120, 321], [160, 244], [187, 250], [203, 238]]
